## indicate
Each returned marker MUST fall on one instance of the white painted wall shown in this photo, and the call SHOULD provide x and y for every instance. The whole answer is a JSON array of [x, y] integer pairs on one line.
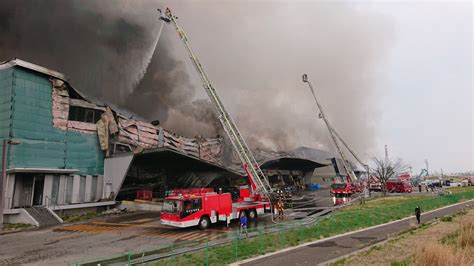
[[115, 170], [21, 216]]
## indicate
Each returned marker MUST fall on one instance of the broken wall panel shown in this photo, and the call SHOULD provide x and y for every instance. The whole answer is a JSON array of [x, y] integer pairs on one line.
[[39, 121], [138, 134], [82, 127], [60, 102]]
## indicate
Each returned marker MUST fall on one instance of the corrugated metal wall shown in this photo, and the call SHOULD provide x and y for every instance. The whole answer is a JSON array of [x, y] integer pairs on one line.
[[42, 145], [6, 79], [83, 153]]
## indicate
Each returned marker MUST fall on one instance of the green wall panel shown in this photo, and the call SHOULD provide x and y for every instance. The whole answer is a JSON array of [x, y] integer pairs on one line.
[[6, 92], [6, 80], [83, 153], [37, 154], [42, 145]]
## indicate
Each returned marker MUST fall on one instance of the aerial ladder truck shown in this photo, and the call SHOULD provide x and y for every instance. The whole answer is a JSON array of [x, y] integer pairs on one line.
[[335, 136], [202, 206]]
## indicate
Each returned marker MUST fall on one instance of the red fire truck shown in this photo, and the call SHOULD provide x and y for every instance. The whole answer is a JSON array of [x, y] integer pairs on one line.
[[341, 188], [399, 186], [203, 207], [375, 184]]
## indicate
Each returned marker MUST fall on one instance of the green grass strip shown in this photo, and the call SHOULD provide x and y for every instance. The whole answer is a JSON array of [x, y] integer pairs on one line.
[[350, 218]]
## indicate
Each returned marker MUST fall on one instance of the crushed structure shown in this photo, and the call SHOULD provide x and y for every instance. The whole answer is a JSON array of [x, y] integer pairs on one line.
[[76, 154]]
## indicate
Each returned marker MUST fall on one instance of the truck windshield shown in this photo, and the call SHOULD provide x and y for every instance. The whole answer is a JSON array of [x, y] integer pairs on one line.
[[171, 206], [190, 207], [338, 185]]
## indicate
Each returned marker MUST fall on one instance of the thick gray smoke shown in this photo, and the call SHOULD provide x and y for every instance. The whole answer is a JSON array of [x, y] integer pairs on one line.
[[103, 47], [254, 52]]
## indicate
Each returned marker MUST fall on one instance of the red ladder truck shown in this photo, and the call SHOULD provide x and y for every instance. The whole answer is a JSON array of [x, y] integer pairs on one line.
[[350, 184], [203, 207]]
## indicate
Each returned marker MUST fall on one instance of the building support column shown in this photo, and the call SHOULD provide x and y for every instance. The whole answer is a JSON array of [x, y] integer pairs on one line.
[[47, 189], [62, 189], [88, 189], [100, 188], [9, 191], [76, 185]]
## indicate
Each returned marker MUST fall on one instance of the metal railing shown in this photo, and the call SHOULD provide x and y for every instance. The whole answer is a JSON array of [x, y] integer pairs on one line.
[[261, 239], [50, 202]]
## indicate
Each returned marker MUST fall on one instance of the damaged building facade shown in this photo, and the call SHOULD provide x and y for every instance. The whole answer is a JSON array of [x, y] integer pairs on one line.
[[75, 154], [62, 141]]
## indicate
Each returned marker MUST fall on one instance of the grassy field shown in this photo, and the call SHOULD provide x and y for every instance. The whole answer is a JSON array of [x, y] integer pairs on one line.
[[16, 226], [79, 217], [447, 242], [461, 189], [350, 218]]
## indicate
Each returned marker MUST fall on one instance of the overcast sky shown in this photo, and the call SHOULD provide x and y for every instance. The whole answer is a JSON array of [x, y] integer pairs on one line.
[[428, 109]]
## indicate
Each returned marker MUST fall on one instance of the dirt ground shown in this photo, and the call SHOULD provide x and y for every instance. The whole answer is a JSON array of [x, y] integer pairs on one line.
[[407, 244]]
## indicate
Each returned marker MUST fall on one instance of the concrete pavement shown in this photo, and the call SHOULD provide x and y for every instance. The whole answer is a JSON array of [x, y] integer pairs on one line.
[[322, 251]]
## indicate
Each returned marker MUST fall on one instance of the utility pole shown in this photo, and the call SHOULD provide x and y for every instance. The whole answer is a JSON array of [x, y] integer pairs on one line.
[[427, 167], [386, 154]]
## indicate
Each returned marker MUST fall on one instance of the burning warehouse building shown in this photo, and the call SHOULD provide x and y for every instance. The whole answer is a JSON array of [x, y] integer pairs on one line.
[[72, 154]]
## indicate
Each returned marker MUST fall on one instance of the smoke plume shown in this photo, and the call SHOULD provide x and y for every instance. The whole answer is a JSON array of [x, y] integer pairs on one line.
[[254, 52]]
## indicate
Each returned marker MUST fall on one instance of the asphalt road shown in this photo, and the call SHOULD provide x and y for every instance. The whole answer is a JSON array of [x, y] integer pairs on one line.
[[326, 250], [101, 239], [112, 235]]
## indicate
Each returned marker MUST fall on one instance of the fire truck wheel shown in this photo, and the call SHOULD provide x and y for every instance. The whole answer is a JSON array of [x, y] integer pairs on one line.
[[204, 222], [252, 214]]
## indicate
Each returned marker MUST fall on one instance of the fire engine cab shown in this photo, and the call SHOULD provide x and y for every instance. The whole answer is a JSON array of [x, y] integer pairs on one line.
[[203, 207], [340, 188]]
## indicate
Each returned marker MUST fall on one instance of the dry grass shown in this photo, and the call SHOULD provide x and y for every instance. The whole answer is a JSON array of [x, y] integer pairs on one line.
[[466, 233], [435, 254], [445, 243], [444, 254]]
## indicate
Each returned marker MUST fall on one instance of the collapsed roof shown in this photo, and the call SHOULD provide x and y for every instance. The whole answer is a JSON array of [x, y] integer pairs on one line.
[[119, 132]]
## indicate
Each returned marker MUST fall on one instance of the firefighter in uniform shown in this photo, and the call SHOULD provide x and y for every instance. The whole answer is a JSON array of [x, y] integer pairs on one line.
[[280, 209]]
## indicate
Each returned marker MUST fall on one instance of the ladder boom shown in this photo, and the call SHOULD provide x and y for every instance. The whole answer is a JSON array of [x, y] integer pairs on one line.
[[349, 149], [348, 168], [258, 180]]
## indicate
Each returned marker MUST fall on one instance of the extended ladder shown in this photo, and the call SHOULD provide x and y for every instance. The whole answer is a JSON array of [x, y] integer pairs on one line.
[[258, 180], [332, 132], [351, 151]]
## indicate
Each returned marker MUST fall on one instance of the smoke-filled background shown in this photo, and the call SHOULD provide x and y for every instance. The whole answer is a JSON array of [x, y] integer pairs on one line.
[[254, 52]]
